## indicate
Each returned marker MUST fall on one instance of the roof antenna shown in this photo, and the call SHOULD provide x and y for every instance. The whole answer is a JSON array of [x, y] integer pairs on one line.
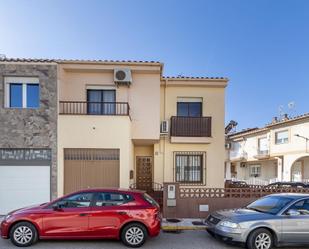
[[281, 111], [292, 108]]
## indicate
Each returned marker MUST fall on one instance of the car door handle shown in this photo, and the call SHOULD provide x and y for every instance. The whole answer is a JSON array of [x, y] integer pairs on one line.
[[122, 213], [83, 214]]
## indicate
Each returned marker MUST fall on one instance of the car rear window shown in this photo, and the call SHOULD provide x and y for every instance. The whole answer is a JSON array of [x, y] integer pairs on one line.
[[150, 200]]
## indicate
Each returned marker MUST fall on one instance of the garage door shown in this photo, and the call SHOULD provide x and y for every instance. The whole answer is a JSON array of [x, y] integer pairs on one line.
[[24, 178], [90, 168]]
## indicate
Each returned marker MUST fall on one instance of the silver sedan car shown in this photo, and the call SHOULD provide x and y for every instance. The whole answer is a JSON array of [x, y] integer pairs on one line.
[[274, 220]]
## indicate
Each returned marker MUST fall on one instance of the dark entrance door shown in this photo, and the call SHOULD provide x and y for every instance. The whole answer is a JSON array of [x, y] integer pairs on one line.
[[144, 173]]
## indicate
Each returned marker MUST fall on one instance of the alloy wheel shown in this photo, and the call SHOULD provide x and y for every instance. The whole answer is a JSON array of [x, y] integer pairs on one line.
[[134, 235], [263, 241], [23, 235]]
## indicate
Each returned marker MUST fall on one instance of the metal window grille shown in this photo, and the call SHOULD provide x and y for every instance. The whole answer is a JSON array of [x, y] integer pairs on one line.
[[189, 167], [91, 154]]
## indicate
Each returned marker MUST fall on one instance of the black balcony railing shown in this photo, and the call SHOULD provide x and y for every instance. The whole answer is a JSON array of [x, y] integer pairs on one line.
[[191, 126], [94, 108]]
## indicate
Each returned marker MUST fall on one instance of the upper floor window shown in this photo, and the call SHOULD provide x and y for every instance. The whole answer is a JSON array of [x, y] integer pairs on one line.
[[282, 137], [101, 101], [263, 144], [189, 107], [22, 92]]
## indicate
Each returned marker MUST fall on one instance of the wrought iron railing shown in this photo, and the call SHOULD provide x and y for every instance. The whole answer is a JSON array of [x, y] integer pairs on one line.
[[94, 108], [153, 186]]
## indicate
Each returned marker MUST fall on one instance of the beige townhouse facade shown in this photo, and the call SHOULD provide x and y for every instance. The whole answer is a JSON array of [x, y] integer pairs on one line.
[[122, 124], [277, 152]]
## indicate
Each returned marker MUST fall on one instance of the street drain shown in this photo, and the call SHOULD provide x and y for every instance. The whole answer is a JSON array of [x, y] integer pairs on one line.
[[173, 220], [198, 223]]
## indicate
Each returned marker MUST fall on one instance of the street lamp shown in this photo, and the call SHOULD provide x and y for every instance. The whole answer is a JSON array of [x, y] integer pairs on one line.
[[306, 139]]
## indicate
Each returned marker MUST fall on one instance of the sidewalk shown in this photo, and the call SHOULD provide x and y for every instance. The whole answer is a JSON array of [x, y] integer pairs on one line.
[[183, 224]]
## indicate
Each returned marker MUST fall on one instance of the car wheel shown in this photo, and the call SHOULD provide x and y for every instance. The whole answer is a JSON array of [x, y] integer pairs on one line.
[[134, 235], [260, 239], [23, 234], [210, 233]]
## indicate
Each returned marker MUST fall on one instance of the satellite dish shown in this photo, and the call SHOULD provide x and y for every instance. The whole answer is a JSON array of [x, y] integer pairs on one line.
[[291, 105]]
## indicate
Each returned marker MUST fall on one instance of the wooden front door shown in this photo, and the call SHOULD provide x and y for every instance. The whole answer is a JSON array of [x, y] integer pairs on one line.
[[144, 172]]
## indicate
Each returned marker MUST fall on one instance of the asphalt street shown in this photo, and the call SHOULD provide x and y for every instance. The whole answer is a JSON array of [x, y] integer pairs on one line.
[[183, 240]]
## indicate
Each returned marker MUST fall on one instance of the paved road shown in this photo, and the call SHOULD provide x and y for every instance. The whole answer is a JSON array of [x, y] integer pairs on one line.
[[184, 240]]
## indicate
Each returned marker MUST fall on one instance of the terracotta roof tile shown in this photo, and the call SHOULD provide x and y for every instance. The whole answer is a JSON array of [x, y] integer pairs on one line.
[[302, 116], [267, 126], [5, 59], [194, 78]]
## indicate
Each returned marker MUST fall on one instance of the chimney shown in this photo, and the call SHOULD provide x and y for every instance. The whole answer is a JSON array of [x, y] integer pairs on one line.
[[285, 117], [274, 120]]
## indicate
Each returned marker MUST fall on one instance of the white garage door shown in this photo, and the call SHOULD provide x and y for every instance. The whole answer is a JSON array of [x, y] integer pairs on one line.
[[22, 186]]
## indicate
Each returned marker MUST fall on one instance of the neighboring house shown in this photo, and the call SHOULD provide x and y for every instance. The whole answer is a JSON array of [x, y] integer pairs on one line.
[[106, 124], [277, 152], [28, 133]]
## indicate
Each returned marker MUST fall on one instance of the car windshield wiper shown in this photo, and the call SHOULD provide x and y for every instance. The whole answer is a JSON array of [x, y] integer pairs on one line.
[[255, 209]]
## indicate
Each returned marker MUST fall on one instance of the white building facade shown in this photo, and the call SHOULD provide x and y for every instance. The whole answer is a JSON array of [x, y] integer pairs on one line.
[[277, 152]]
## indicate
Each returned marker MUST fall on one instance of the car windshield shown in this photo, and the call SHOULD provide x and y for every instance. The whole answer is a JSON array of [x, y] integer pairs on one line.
[[270, 204]]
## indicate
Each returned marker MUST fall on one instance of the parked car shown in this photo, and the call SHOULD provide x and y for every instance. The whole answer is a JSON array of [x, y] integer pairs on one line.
[[287, 185], [236, 184], [273, 220], [127, 215]]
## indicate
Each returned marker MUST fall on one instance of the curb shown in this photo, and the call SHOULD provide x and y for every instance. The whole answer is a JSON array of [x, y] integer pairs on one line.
[[182, 228]]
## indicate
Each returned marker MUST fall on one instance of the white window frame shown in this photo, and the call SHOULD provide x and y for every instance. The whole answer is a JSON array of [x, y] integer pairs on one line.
[[18, 80], [259, 143], [284, 142], [257, 171]]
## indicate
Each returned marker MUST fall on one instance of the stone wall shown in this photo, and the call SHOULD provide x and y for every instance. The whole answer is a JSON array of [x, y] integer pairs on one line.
[[32, 128]]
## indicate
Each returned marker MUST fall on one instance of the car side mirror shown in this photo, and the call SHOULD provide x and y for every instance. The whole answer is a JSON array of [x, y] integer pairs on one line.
[[293, 212], [57, 207]]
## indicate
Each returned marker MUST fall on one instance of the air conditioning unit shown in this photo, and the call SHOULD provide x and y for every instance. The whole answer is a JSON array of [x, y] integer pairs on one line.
[[122, 76], [164, 127], [243, 165]]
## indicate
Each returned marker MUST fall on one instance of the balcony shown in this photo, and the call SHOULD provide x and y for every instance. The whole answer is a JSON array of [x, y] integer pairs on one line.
[[190, 126], [238, 155], [94, 108], [261, 154]]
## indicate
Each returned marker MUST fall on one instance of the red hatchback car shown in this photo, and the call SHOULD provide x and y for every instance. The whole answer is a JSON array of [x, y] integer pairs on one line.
[[89, 214]]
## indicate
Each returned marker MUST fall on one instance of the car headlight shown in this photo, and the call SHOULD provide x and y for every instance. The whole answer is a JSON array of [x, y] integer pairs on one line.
[[229, 224], [7, 216]]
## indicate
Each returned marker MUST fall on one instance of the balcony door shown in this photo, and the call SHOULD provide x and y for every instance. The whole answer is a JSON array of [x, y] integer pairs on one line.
[[189, 109], [101, 102]]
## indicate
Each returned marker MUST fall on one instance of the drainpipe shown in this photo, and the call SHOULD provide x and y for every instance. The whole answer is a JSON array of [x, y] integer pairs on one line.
[[164, 142]]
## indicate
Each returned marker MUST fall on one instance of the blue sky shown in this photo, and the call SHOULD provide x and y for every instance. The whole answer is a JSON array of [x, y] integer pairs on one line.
[[262, 46]]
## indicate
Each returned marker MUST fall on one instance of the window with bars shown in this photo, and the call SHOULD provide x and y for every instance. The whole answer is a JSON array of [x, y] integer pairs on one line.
[[189, 167]]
